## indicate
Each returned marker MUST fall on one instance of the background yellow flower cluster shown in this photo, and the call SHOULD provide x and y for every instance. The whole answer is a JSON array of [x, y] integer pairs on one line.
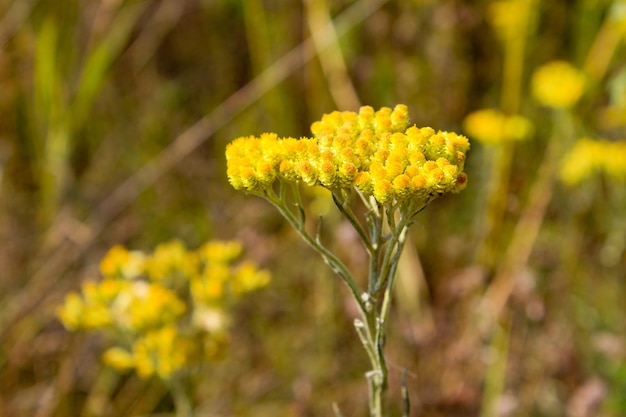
[[166, 310], [589, 156]]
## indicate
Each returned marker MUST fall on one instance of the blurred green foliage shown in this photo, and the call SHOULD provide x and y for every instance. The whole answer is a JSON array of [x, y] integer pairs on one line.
[[114, 116]]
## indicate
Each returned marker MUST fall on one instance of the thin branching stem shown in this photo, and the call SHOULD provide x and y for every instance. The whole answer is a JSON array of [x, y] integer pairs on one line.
[[384, 248], [297, 222], [344, 207]]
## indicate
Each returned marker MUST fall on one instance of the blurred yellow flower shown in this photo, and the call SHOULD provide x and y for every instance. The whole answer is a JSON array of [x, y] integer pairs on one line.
[[165, 309], [248, 278], [119, 262], [160, 352], [146, 306], [118, 358], [494, 127], [558, 84], [71, 311], [92, 310], [589, 156], [170, 260], [209, 287], [220, 252]]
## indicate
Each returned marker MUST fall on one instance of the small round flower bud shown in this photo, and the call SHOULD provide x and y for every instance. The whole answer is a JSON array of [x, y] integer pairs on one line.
[[366, 117], [399, 118], [363, 182], [402, 186], [383, 191]]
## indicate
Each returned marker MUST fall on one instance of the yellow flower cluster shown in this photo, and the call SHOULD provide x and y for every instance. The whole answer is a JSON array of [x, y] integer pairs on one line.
[[589, 156], [493, 127], [558, 84], [159, 352], [162, 308], [375, 151]]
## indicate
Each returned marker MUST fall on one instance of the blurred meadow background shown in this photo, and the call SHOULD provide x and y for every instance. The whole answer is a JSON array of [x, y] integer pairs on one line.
[[114, 117]]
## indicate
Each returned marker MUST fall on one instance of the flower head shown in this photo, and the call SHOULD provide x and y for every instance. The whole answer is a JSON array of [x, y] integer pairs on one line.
[[170, 260], [494, 127], [558, 84], [120, 262], [375, 152], [588, 156]]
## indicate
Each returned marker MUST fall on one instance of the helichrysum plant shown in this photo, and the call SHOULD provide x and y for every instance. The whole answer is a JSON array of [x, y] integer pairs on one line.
[[373, 158], [165, 313]]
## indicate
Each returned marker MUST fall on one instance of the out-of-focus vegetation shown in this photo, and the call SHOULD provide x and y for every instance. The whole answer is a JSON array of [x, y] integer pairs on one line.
[[113, 123]]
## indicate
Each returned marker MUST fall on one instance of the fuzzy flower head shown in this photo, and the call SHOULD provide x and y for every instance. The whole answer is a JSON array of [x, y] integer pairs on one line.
[[558, 84], [170, 261], [376, 152], [161, 352], [589, 156], [493, 127], [119, 262]]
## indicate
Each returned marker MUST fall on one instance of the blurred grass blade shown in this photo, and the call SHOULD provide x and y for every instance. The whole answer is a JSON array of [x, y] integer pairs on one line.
[[98, 63], [51, 138], [496, 371], [46, 82]]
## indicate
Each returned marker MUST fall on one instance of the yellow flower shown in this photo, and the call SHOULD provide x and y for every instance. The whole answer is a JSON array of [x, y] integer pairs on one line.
[[170, 260], [373, 151], [249, 278], [91, 309], [558, 84], [615, 161], [221, 252], [118, 358], [145, 306], [119, 262], [71, 311], [589, 156], [160, 352], [209, 287], [142, 314], [494, 127]]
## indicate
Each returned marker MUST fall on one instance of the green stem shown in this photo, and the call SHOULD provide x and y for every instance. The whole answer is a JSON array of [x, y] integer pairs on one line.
[[344, 207], [182, 398], [330, 258], [393, 251], [384, 250]]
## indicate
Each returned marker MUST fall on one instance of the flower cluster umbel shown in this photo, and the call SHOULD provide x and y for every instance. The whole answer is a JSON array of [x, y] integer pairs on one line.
[[166, 310], [375, 152]]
